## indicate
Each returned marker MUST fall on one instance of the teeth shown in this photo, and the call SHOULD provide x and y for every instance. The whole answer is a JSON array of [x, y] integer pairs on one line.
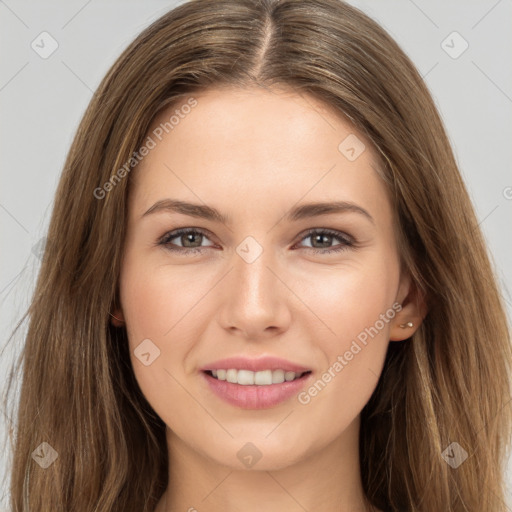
[[249, 378], [278, 376], [245, 377], [289, 376]]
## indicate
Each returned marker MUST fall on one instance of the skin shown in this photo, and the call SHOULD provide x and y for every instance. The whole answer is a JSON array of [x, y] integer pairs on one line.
[[254, 154]]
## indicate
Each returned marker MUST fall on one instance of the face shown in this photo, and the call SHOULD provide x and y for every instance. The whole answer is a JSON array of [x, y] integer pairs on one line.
[[258, 275]]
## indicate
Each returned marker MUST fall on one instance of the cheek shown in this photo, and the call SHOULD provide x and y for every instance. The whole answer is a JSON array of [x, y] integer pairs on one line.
[[347, 300], [156, 300], [355, 306], [152, 304], [155, 305]]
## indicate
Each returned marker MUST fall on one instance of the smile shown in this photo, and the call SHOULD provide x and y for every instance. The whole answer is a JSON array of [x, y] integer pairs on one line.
[[263, 389], [261, 378]]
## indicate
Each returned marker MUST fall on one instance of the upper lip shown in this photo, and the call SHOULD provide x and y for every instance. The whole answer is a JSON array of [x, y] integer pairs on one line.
[[255, 365]]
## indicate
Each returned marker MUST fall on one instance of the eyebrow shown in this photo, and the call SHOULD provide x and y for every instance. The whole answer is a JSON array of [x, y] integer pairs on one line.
[[300, 212]]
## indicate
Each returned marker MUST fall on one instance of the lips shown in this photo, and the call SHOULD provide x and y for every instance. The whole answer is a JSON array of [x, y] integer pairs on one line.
[[256, 365], [255, 383]]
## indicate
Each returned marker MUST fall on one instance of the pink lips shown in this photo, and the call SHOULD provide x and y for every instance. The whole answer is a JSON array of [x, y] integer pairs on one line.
[[255, 365], [255, 397]]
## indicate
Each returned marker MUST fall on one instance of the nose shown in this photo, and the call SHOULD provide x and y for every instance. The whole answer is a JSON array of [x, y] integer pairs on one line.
[[256, 302]]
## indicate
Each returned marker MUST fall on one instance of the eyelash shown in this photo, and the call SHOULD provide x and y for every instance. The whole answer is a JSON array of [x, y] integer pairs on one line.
[[347, 242]]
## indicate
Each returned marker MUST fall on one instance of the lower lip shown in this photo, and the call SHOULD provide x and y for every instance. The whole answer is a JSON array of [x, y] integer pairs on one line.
[[255, 397]]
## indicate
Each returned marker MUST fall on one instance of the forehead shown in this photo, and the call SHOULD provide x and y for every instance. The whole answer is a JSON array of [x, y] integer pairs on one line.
[[258, 146]]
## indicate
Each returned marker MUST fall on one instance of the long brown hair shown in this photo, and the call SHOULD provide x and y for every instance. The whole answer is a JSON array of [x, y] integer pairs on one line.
[[448, 383]]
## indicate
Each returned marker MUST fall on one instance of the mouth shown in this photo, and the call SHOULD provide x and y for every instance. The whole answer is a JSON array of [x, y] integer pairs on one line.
[[264, 389], [259, 378]]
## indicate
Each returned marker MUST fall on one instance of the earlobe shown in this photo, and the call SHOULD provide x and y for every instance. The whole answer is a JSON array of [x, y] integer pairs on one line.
[[409, 318], [117, 318], [402, 331]]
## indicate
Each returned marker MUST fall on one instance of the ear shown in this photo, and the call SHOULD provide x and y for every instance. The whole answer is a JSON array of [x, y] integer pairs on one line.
[[414, 310], [117, 317]]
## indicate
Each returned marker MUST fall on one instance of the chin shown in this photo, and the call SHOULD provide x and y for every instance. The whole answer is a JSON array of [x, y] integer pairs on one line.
[[256, 454]]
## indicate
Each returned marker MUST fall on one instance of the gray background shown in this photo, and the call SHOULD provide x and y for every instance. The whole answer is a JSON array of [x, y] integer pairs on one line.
[[42, 101]]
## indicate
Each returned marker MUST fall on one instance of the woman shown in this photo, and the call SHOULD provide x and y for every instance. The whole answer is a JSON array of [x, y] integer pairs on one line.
[[328, 348]]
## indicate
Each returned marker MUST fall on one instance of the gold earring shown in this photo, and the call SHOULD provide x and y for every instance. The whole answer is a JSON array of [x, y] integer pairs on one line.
[[408, 324]]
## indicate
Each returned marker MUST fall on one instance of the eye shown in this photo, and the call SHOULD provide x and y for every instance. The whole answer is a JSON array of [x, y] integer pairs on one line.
[[324, 237], [190, 238]]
